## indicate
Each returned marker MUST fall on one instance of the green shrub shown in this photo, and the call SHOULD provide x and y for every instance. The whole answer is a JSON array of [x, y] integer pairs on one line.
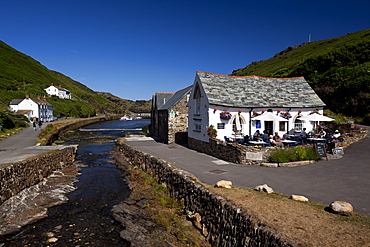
[[293, 154]]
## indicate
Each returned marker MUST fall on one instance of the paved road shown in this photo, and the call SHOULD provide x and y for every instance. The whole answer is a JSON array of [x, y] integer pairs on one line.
[[345, 179], [22, 146]]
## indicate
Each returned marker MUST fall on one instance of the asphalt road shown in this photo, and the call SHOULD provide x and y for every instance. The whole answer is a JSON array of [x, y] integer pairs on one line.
[[346, 179], [22, 146]]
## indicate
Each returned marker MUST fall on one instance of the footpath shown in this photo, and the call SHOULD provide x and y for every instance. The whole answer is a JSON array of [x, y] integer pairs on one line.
[[345, 179]]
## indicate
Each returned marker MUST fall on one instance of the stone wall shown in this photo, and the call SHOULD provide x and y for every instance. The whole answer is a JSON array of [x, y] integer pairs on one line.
[[232, 152], [18, 176], [222, 223], [180, 123]]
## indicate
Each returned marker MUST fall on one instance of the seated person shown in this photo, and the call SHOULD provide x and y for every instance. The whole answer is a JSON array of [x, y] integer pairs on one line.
[[277, 137], [265, 136], [304, 133], [336, 134], [275, 143], [322, 133], [257, 136]]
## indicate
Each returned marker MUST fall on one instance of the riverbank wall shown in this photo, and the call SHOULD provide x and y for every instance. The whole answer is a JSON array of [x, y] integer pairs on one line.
[[18, 176], [222, 223], [64, 127]]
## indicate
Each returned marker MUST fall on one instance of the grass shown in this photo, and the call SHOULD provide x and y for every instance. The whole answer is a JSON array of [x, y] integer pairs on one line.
[[164, 211], [303, 223]]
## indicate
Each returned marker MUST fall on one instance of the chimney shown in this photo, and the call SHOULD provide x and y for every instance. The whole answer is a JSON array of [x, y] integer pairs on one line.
[[27, 96]]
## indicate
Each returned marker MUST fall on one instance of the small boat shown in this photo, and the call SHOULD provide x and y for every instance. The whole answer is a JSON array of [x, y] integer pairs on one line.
[[126, 118]]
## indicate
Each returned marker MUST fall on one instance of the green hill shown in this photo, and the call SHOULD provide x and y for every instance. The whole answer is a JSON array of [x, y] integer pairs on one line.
[[138, 106], [21, 75], [338, 69]]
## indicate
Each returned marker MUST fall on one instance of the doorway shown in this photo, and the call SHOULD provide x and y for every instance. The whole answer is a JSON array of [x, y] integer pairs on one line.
[[269, 126]]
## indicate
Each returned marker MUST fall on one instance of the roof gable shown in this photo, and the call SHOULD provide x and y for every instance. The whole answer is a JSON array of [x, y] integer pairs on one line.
[[255, 91], [171, 102], [160, 98]]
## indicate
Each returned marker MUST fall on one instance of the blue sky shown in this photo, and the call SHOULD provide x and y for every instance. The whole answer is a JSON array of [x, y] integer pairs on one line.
[[134, 48]]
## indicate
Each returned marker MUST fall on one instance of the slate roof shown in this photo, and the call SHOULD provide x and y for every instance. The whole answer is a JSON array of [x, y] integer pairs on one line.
[[15, 101], [171, 102], [37, 101], [255, 91], [160, 98]]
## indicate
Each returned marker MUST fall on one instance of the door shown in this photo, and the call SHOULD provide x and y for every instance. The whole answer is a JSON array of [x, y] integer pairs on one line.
[[269, 126]]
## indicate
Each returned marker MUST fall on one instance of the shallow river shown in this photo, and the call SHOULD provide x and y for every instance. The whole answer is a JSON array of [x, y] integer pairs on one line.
[[85, 218]]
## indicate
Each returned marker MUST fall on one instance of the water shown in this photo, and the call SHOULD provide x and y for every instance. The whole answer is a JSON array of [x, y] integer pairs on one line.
[[85, 219]]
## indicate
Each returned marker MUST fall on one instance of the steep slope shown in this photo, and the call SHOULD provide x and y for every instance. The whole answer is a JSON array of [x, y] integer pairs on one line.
[[138, 106], [20, 75], [338, 69]]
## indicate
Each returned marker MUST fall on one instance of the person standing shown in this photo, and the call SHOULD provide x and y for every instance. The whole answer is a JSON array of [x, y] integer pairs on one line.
[[34, 125], [40, 124]]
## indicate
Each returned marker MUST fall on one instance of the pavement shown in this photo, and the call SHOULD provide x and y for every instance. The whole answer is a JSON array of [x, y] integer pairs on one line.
[[346, 179]]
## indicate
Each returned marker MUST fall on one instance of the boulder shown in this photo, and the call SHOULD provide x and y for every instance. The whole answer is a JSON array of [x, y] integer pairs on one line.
[[224, 184], [299, 198], [264, 188], [340, 207]]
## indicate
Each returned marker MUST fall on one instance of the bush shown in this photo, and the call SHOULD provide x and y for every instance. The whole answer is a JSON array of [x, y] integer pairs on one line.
[[293, 154]]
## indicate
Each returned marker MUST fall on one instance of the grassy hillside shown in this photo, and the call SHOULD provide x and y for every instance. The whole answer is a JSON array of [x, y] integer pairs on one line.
[[338, 69], [21, 75], [138, 106]]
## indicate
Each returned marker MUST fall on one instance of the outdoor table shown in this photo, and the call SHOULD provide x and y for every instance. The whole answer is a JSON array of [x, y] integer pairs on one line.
[[288, 142], [316, 139], [258, 143]]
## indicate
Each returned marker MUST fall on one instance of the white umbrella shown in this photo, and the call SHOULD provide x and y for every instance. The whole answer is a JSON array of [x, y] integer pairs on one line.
[[317, 118], [269, 116]]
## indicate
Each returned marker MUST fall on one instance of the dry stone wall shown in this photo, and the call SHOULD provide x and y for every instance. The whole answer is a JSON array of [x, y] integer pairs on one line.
[[232, 152], [18, 176], [222, 223]]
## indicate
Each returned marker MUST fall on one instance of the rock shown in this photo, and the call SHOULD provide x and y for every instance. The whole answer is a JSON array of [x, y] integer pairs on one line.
[[340, 207], [224, 184], [196, 219], [52, 240], [299, 198], [264, 188]]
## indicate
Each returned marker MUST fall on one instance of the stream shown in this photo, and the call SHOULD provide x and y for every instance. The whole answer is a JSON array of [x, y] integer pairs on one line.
[[79, 198]]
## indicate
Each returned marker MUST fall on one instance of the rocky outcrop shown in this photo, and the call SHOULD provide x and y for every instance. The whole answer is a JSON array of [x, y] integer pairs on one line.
[[21, 175]]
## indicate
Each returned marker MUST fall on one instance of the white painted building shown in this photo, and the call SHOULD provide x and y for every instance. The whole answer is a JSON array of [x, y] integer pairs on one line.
[[58, 91], [251, 103], [33, 108]]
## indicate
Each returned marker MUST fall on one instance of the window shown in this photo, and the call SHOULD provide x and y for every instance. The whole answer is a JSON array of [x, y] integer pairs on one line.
[[197, 125], [282, 126], [297, 125], [220, 126], [197, 100]]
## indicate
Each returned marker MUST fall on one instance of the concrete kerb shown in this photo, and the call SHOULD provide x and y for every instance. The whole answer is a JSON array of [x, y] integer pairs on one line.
[[289, 164]]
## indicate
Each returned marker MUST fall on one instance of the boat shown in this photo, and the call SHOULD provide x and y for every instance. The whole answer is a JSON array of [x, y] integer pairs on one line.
[[126, 118]]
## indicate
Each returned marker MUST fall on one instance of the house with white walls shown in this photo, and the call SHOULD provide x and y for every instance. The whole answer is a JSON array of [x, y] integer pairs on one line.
[[58, 91], [32, 108], [240, 105]]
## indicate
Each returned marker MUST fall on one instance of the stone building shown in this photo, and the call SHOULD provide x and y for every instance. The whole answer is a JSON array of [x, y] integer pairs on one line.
[[169, 116]]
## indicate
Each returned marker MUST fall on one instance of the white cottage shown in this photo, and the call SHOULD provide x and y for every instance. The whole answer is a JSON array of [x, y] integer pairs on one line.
[[33, 108], [58, 91], [240, 105]]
